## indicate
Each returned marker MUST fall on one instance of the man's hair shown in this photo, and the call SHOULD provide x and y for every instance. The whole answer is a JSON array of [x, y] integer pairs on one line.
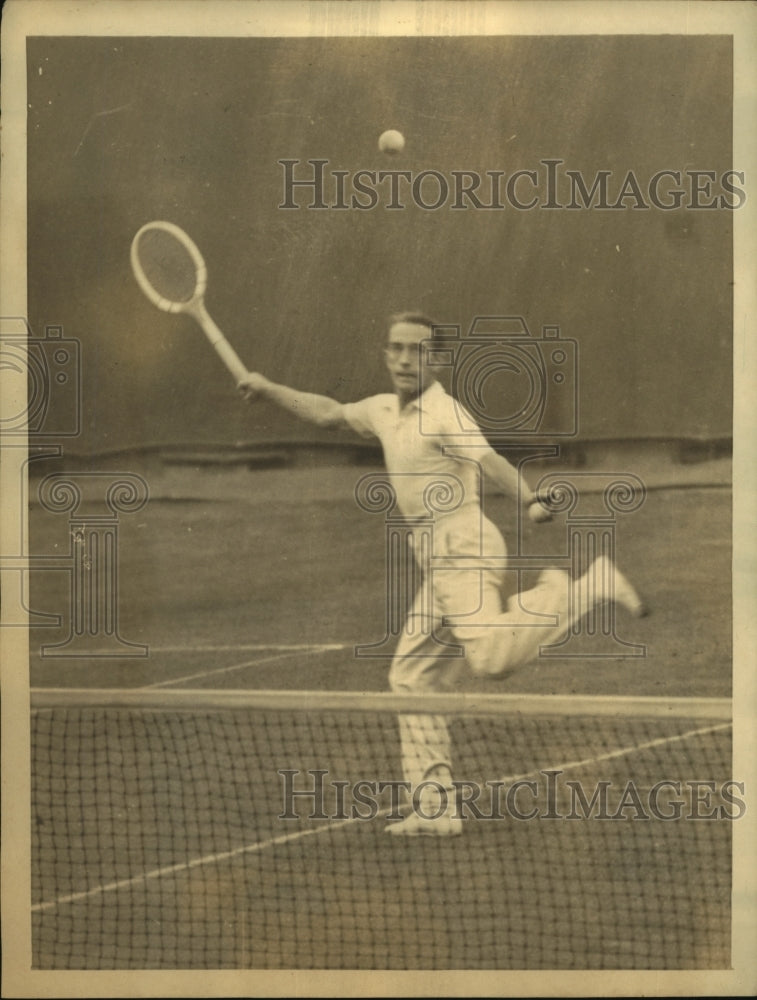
[[419, 318]]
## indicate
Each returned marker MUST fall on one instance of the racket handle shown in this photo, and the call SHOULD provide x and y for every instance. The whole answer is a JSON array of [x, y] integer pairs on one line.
[[223, 348]]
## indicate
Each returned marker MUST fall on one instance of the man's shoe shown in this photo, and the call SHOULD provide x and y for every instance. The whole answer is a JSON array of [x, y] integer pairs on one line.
[[611, 585], [415, 825]]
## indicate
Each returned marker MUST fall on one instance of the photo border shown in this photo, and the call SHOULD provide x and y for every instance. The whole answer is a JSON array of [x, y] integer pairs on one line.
[[22, 18]]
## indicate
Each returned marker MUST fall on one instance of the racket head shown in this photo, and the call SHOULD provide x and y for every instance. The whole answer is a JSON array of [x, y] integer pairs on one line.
[[168, 266]]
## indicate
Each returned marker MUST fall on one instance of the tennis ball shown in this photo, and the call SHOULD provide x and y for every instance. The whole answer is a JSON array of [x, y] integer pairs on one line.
[[391, 142]]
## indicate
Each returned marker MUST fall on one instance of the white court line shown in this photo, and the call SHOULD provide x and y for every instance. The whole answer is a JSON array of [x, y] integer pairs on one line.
[[181, 867], [301, 834], [230, 669], [510, 778]]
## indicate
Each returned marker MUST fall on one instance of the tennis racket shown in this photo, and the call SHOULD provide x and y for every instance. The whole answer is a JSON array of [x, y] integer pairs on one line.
[[171, 272]]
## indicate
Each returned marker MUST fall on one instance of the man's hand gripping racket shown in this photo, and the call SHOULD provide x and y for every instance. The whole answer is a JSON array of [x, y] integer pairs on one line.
[[539, 511], [171, 272]]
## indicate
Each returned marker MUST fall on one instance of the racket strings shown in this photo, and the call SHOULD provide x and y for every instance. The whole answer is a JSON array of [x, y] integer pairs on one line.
[[167, 265]]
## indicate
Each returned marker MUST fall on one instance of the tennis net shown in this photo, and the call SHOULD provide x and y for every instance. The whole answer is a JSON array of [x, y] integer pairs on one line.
[[166, 835]]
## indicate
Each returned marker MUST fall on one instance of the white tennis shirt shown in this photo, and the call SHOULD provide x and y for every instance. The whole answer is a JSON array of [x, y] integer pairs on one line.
[[423, 443]]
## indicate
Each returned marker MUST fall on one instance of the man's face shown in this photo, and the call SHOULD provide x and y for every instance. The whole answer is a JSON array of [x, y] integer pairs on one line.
[[403, 359]]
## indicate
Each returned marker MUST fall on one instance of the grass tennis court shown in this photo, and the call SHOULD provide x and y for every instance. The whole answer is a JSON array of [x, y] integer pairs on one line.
[[218, 564], [267, 579]]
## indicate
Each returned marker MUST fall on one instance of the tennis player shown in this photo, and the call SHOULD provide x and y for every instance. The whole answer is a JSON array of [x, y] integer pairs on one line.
[[419, 429]]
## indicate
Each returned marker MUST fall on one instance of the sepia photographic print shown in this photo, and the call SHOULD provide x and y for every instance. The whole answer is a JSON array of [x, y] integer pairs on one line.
[[378, 498]]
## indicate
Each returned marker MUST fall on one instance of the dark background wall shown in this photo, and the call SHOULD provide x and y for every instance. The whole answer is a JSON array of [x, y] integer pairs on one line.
[[122, 131]]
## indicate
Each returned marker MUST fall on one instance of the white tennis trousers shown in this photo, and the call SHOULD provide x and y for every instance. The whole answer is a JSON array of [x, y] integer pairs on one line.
[[494, 640]]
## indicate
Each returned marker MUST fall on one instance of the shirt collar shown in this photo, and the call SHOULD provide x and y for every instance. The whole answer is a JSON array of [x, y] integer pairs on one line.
[[427, 399]]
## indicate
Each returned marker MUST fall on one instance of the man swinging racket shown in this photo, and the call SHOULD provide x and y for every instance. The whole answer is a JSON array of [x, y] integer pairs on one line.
[[419, 429]]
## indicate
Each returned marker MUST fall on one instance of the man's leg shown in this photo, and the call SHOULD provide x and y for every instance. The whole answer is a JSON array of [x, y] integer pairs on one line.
[[497, 641], [424, 739]]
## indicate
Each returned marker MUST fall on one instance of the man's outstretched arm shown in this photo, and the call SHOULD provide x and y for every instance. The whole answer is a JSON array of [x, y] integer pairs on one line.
[[315, 409]]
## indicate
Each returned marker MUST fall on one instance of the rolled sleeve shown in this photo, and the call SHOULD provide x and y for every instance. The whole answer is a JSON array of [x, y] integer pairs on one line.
[[361, 416]]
